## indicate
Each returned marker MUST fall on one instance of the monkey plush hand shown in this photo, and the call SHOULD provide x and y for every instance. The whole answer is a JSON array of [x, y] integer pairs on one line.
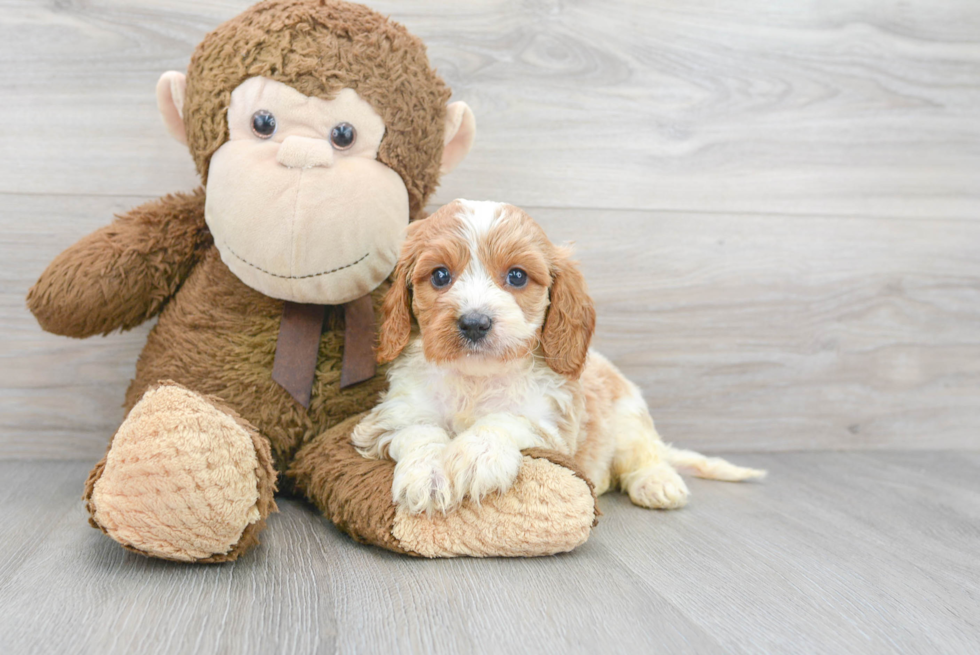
[[319, 131]]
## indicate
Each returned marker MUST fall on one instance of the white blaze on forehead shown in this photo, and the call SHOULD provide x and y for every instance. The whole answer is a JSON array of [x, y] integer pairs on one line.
[[476, 289], [476, 219]]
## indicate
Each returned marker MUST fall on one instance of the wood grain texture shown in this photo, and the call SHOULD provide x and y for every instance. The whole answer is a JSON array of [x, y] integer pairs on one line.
[[864, 107], [776, 207], [59, 397], [745, 332], [834, 553], [778, 333]]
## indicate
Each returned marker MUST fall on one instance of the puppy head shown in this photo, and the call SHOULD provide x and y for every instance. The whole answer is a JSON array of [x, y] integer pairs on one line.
[[486, 287]]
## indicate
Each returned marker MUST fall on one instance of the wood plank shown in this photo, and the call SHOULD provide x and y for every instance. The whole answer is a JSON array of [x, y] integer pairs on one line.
[[778, 333], [847, 108], [839, 553], [744, 332], [857, 553], [68, 390], [98, 596], [311, 589]]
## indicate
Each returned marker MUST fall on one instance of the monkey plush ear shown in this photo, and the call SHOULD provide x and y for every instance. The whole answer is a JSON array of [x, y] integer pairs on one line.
[[170, 102], [460, 131]]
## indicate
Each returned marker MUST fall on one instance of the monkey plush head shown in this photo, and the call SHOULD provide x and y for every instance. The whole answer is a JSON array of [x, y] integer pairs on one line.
[[320, 130]]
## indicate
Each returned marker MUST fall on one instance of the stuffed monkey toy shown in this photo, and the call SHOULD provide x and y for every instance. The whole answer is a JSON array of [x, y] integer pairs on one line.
[[319, 130]]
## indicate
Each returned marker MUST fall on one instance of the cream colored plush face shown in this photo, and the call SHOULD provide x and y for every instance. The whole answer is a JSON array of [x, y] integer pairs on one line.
[[293, 216]]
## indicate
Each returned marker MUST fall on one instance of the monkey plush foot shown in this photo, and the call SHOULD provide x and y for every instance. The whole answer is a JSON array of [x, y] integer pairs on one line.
[[550, 508], [184, 479]]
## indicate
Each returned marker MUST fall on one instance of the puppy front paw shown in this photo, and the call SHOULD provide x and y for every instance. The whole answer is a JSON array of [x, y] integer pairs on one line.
[[421, 483], [480, 463]]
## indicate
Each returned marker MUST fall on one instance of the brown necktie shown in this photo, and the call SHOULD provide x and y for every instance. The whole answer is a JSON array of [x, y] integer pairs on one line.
[[298, 345]]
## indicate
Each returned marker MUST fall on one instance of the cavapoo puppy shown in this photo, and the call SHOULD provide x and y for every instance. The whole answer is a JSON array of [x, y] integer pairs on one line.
[[502, 363]]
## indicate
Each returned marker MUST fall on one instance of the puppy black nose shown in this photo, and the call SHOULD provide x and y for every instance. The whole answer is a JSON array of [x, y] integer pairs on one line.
[[474, 326]]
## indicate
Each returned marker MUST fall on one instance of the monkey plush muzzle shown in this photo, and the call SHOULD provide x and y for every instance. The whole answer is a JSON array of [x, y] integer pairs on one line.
[[298, 204]]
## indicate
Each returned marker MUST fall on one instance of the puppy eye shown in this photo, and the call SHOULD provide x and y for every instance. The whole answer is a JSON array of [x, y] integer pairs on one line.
[[441, 277], [263, 124], [516, 277], [342, 136]]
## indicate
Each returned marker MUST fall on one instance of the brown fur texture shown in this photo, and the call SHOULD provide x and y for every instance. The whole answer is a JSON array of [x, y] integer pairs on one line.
[[345, 486], [570, 323], [396, 310], [123, 274], [215, 335], [319, 47], [399, 307], [218, 337]]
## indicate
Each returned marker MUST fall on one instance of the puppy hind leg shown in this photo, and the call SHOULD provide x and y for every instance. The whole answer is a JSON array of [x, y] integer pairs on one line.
[[640, 464], [656, 486]]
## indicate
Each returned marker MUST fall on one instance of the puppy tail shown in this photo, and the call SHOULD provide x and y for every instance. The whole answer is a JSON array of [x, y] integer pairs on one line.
[[710, 468]]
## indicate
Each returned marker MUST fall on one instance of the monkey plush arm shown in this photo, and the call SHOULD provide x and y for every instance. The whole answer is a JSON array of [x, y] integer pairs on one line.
[[123, 274]]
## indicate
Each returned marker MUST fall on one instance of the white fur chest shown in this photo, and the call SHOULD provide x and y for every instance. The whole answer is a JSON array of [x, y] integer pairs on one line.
[[455, 399]]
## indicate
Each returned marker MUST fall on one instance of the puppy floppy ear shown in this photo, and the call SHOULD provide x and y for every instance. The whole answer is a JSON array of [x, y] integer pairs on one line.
[[396, 308], [570, 322], [396, 315]]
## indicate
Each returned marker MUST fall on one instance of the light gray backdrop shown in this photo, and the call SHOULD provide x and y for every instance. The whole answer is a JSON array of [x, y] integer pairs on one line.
[[776, 204]]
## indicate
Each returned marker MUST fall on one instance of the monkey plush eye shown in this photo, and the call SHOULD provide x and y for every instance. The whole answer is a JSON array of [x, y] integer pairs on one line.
[[342, 136], [263, 124], [441, 277], [516, 277]]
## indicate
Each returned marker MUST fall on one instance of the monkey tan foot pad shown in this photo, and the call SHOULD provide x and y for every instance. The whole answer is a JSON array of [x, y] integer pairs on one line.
[[550, 509], [185, 479]]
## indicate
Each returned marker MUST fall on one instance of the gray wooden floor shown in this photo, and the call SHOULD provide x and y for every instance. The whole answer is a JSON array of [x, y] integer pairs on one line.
[[834, 553], [777, 207]]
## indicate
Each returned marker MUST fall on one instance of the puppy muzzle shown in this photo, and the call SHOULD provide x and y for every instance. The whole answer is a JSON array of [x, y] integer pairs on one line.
[[474, 327]]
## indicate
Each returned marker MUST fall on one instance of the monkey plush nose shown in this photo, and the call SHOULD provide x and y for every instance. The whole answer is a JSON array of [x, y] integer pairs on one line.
[[474, 326], [304, 152]]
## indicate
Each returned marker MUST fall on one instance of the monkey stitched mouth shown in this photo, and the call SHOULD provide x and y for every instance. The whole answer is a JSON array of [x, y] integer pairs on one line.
[[296, 277]]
